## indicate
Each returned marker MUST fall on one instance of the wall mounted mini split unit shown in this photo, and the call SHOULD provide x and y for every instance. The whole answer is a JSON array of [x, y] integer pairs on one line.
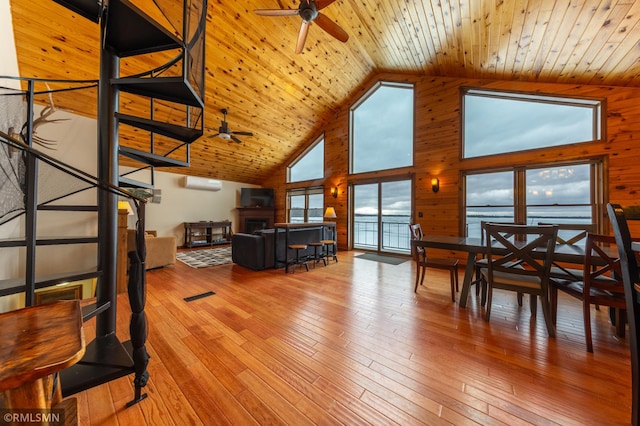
[[195, 182], [156, 196]]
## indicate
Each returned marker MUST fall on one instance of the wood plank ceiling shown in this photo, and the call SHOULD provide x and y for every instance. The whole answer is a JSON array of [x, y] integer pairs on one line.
[[286, 99]]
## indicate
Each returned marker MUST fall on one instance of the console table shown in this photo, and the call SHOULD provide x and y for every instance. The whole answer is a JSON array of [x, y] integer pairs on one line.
[[287, 227], [206, 233]]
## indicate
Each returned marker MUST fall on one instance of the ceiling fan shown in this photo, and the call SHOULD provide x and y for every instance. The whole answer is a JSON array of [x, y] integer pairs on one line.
[[308, 11], [225, 133]]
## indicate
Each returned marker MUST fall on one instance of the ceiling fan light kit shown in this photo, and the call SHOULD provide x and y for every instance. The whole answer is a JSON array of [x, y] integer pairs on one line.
[[308, 10], [224, 133]]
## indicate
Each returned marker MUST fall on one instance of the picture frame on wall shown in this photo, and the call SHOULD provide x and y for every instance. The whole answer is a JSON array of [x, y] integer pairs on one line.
[[61, 293]]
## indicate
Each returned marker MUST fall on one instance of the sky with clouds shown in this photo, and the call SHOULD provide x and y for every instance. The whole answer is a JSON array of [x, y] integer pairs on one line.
[[383, 130], [493, 125]]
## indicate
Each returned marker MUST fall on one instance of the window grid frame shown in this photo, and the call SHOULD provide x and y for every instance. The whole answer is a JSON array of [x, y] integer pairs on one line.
[[597, 187]]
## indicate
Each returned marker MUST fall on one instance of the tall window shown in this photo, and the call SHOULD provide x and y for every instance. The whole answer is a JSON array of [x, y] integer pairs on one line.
[[382, 128], [310, 165], [567, 193], [499, 122], [305, 205]]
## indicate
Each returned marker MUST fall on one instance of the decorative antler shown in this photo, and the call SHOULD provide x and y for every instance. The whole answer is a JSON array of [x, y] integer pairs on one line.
[[44, 114]]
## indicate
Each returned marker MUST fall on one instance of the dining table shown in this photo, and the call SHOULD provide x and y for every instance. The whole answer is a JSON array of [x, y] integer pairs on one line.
[[473, 246]]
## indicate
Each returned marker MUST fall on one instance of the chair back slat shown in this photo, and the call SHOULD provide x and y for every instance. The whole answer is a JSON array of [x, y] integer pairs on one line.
[[572, 233], [512, 248]]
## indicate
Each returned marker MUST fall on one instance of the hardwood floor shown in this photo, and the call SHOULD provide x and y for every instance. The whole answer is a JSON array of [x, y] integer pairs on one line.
[[351, 343]]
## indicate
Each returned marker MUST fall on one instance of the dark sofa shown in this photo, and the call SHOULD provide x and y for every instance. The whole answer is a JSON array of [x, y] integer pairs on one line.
[[255, 251]]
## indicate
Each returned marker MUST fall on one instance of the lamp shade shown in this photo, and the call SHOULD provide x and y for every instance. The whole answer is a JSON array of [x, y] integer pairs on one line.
[[124, 205], [330, 212]]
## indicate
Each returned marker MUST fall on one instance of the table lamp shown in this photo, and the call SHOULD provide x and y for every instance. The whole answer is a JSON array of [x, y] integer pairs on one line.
[[330, 213]]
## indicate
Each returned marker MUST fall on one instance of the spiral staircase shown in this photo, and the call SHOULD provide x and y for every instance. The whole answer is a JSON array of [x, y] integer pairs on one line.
[[127, 31]]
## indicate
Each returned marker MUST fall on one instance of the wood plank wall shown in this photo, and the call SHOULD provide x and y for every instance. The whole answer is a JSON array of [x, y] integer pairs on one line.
[[437, 149]]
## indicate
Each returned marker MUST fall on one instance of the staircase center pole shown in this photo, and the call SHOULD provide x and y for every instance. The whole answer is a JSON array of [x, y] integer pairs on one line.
[[107, 171]]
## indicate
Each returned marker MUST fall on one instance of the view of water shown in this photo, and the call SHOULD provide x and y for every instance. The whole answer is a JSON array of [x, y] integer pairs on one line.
[[395, 232], [473, 222], [396, 235]]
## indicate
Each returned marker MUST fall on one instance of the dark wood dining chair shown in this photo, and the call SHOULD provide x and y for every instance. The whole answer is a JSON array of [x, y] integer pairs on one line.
[[570, 234], [519, 259], [423, 262], [481, 285], [631, 283], [601, 284]]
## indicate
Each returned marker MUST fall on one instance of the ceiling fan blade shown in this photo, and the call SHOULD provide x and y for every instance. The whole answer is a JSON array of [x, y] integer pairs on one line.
[[213, 136], [236, 140], [321, 4], [331, 27], [276, 12], [242, 133], [302, 36]]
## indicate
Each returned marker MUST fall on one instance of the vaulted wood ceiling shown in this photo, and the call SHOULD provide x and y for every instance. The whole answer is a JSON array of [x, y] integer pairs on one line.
[[286, 99]]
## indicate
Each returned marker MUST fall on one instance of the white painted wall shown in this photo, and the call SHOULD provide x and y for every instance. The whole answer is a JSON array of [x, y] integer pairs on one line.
[[179, 204], [8, 57]]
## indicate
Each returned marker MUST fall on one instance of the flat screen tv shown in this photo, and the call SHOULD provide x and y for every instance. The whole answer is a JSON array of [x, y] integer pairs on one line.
[[256, 197]]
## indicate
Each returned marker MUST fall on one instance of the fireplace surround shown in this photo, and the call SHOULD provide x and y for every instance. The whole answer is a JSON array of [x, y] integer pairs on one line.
[[251, 219]]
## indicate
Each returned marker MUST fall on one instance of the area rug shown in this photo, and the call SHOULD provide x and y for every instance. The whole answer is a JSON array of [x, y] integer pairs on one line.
[[391, 260], [204, 258]]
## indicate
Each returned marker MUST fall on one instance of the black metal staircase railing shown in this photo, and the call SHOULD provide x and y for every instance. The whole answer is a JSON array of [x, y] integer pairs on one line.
[[180, 84], [23, 166], [176, 86]]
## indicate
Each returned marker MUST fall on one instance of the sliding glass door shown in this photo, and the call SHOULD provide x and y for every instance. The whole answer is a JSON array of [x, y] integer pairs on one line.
[[381, 215]]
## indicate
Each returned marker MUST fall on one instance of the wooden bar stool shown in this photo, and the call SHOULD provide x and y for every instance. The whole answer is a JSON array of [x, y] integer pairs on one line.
[[318, 256], [299, 260], [330, 250]]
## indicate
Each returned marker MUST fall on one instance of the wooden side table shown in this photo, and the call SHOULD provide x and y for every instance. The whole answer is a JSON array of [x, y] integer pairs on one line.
[[36, 342]]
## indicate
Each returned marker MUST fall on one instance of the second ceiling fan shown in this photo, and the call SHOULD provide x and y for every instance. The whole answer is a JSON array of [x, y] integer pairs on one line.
[[225, 133], [309, 12]]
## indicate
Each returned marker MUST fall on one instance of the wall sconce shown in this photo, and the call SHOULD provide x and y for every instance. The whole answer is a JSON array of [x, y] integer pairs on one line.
[[334, 192], [435, 184]]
